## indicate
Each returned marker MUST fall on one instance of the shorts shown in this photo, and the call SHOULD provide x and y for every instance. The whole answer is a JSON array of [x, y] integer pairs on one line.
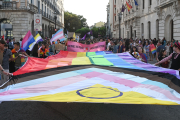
[[150, 54]]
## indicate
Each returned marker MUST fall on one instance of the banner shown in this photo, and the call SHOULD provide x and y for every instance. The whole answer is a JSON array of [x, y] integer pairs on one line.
[[78, 47]]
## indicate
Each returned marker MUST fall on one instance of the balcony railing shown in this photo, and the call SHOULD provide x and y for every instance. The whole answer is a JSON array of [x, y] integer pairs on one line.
[[132, 15], [13, 5], [33, 8], [9, 5]]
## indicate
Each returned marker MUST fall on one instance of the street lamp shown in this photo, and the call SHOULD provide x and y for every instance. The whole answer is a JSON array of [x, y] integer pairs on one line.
[[120, 17], [55, 18]]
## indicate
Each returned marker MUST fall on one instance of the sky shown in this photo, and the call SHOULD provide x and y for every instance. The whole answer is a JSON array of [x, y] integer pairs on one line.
[[93, 10]]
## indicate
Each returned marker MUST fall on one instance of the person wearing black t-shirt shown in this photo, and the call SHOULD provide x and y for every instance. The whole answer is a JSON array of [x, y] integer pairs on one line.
[[161, 57], [174, 56]]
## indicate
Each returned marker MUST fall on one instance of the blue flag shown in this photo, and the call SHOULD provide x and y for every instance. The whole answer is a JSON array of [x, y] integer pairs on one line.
[[135, 2]]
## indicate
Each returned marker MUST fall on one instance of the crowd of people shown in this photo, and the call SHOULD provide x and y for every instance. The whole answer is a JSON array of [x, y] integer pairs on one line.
[[12, 57], [144, 50]]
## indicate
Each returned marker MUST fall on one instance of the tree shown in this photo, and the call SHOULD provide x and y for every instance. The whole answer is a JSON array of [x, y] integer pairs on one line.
[[102, 31], [73, 22], [83, 31], [95, 32]]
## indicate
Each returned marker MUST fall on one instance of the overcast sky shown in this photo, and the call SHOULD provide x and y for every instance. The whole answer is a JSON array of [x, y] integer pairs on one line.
[[93, 10]]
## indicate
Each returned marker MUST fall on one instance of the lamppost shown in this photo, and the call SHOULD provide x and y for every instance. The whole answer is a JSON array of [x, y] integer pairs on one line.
[[120, 17], [55, 18]]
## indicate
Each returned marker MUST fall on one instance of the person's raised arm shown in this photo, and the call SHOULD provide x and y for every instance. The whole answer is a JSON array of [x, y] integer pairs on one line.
[[165, 59]]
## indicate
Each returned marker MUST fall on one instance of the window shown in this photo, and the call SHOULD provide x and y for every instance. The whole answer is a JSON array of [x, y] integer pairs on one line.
[[31, 1], [39, 6], [142, 30], [115, 1], [150, 2], [42, 7], [143, 4], [157, 29], [115, 18], [115, 10], [149, 29], [45, 9]]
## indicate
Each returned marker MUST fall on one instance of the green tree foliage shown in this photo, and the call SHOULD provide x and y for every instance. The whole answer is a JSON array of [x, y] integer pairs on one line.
[[96, 31], [73, 22], [83, 31], [102, 31]]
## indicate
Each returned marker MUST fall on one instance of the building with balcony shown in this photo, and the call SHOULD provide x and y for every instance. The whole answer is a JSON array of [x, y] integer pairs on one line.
[[17, 17], [150, 19], [108, 28]]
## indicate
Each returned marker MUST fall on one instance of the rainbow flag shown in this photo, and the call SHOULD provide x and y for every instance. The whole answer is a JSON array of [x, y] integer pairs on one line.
[[153, 50], [129, 7]]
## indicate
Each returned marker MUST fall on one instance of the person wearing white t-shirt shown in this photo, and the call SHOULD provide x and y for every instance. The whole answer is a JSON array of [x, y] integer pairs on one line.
[[109, 43]]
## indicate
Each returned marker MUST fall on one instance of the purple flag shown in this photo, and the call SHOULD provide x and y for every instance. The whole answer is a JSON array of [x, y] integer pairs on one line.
[[84, 37], [123, 8], [91, 32]]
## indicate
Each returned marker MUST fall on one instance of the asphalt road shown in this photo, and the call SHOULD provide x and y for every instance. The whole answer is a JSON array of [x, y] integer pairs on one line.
[[82, 111], [86, 111]]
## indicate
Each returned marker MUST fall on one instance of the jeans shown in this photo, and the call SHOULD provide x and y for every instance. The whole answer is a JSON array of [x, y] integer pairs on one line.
[[4, 77]]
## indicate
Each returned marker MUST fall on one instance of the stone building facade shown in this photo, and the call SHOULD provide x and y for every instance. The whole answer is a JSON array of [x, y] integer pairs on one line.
[[17, 17], [150, 19], [108, 28]]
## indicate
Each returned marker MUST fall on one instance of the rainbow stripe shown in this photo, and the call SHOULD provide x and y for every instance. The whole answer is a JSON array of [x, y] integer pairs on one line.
[[65, 58], [153, 50]]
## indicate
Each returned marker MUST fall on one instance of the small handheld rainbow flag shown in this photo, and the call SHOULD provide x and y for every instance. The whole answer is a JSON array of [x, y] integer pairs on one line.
[[153, 50]]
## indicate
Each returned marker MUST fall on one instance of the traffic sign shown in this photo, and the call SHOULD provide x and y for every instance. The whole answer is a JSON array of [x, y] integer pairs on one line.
[[37, 22]]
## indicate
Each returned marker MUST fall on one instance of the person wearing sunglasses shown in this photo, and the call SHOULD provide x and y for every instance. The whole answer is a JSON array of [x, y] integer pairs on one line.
[[174, 56]]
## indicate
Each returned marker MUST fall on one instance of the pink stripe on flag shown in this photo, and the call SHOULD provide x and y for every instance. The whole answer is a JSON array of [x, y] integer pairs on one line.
[[111, 78], [56, 36], [25, 39], [12, 92], [92, 74], [53, 85], [159, 90], [121, 81]]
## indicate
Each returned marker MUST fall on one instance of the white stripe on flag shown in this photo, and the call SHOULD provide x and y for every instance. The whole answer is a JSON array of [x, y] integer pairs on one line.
[[57, 37]]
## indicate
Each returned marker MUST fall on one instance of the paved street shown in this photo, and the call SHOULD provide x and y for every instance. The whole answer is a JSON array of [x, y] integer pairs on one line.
[[81, 111]]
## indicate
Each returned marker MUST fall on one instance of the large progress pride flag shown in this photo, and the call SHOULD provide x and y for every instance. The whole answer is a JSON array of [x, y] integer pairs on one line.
[[93, 77]]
